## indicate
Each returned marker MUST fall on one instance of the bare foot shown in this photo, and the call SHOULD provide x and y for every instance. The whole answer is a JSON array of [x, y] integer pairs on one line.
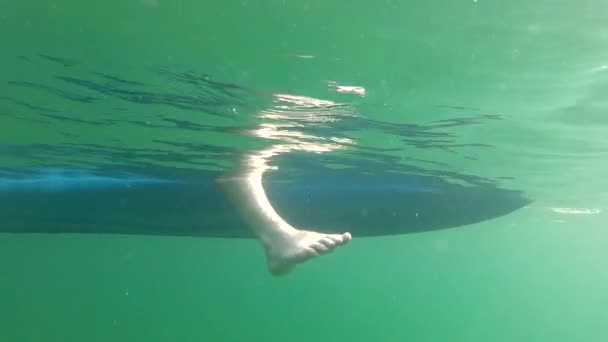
[[284, 253]]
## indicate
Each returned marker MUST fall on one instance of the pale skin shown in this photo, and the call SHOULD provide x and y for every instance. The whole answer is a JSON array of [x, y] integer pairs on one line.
[[285, 246]]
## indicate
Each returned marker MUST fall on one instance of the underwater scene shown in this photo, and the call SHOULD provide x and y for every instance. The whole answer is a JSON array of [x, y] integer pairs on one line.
[[284, 170]]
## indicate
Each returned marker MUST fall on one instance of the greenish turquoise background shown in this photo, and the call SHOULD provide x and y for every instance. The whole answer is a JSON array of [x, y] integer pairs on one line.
[[534, 275]]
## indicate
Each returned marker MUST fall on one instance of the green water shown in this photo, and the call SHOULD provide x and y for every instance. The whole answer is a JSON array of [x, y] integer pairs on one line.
[[537, 274]]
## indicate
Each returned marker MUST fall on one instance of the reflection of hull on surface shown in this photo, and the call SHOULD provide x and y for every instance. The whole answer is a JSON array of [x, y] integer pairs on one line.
[[63, 201]]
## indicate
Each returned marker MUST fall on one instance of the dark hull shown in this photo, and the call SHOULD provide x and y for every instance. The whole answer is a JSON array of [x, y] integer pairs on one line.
[[195, 206]]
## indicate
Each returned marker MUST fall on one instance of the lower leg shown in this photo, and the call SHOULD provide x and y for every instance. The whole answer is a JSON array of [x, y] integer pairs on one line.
[[285, 246]]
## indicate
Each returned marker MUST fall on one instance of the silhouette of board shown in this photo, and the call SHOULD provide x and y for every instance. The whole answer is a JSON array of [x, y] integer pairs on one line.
[[112, 202]]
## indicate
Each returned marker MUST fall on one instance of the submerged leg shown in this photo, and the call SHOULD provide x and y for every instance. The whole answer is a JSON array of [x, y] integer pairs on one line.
[[285, 246]]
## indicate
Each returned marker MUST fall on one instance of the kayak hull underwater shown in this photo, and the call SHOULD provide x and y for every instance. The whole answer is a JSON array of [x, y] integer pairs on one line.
[[78, 201]]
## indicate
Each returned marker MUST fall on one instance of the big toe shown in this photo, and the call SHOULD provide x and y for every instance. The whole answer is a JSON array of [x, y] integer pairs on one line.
[[346, 237], [340, 238]]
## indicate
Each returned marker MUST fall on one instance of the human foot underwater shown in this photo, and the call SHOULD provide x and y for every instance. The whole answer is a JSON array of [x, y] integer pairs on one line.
[[285, 246]]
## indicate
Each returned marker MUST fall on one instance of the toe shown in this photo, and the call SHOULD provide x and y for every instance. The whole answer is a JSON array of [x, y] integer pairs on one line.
[[340, 238], [328, 242], [337, 239], [305, 254], [319, 247], [346, 237]]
